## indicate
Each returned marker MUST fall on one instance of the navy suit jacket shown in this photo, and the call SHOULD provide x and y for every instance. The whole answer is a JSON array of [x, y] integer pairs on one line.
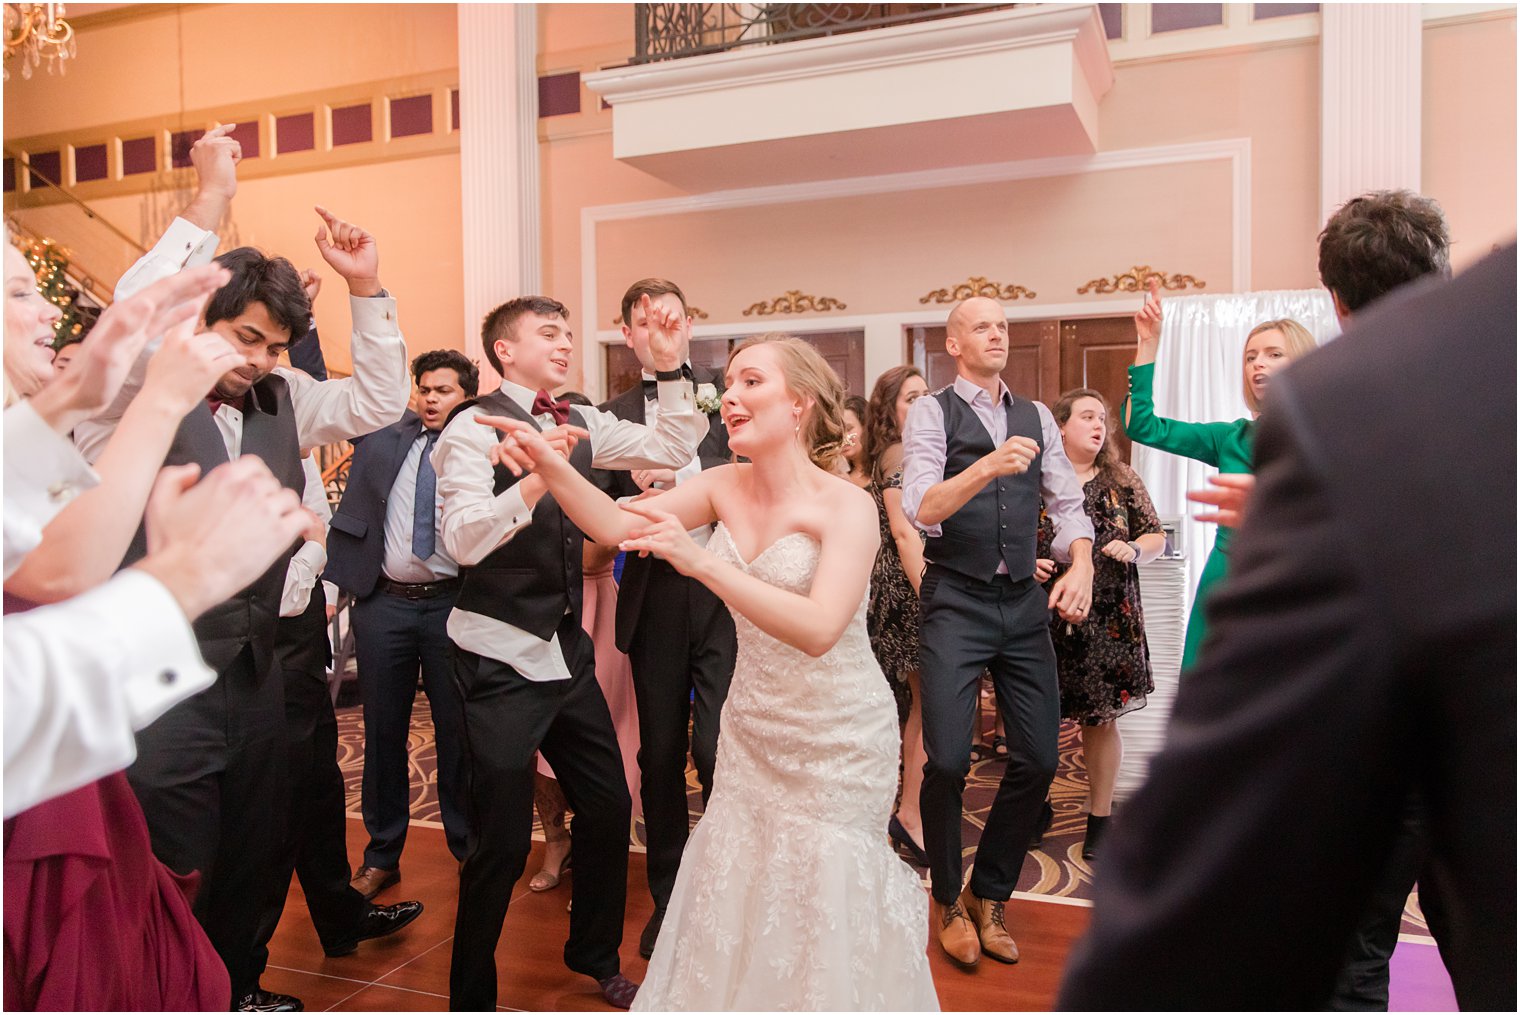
[[356, 540]]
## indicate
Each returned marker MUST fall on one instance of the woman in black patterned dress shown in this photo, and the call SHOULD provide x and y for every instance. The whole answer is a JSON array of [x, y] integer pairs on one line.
[[892, 615], [1103, 663]]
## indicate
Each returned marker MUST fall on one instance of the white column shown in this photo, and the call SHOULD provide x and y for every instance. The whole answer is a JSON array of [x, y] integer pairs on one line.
[[498, 162], [1370, 100]]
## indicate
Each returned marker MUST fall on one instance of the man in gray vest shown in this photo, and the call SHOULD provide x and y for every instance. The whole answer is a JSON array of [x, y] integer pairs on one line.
[[976, 461]]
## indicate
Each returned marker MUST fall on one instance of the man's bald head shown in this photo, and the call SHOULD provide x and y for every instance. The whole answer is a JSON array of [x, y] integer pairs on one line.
[[968, 311], [976, 335]]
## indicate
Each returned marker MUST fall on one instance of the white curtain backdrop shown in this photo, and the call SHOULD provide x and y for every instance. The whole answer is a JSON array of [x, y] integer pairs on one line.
[[1198, 379]]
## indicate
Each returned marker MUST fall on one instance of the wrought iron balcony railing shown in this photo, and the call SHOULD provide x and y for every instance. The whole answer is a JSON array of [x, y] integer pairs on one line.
[[668, 31]]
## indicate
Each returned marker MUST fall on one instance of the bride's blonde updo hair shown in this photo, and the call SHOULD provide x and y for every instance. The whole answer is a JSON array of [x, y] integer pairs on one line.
[[809, 375]]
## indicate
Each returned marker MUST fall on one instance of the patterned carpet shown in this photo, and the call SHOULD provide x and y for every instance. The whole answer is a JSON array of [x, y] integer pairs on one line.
[[1057, 868]]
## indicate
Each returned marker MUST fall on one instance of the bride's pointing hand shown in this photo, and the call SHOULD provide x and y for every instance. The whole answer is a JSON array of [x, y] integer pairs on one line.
[[664, 536]]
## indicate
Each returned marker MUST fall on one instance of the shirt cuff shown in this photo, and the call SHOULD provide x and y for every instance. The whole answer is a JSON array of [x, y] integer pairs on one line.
[[163, 659], [511, 509], [43, 469], [676, 396], [374, 313], [187, 243]]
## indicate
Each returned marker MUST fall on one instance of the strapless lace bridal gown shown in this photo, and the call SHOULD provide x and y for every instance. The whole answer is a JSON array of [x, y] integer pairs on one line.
[[789, 896]]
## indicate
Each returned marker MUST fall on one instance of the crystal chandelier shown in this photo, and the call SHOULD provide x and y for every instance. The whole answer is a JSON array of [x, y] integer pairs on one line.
[[37, 32]]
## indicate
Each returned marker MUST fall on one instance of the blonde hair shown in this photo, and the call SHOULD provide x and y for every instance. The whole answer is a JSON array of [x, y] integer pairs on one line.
[[808, 375], [1297, 340]]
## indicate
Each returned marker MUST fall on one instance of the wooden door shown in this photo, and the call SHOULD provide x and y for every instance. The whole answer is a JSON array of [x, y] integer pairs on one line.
[[1033, 370], [1096, 353]]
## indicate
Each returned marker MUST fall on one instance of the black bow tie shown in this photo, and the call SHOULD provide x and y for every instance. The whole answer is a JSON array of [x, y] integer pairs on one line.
[[651, 388]]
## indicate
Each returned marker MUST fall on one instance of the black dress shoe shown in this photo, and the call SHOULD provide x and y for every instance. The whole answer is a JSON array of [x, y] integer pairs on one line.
[[1095, 826], [1047, 815], [377, 922], [651, 932], [268, 1000]]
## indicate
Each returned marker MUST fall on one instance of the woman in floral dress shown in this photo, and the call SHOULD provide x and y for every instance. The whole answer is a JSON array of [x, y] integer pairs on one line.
[[1103, 663]]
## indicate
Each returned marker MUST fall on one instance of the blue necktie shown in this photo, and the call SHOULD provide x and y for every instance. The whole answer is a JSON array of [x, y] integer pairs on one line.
[[424, 505]]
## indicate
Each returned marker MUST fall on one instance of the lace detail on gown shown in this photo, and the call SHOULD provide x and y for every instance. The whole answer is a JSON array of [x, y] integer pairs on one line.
[[789, 896]]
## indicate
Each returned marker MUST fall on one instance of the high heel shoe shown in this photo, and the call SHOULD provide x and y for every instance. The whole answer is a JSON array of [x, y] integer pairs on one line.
[[1095, 825], [546, 879], [899, 835]]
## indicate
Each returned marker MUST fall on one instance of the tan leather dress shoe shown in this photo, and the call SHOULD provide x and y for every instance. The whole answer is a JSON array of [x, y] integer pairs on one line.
[[957, 936], [987, 915], [371, 881]]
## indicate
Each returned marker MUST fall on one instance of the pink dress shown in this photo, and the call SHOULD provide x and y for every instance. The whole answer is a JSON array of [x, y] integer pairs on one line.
[[599, 618]]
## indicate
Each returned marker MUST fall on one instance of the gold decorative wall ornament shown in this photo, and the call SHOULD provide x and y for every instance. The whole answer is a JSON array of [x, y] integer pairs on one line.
[[794, 302], [1137, 280], [695, 313], [977, 285]]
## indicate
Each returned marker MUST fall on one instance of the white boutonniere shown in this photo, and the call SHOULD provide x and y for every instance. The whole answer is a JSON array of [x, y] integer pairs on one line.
[[708, 400]]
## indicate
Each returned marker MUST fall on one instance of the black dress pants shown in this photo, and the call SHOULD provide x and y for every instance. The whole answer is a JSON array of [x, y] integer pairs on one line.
[[315, 845], [507, 718], [393, 638], [967, 626], [208, 775], [684, 646]]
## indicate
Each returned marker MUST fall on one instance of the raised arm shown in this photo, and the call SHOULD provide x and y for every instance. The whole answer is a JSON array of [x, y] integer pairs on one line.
[[1198, 441], [376, 395], [190, 241], [811, 622]]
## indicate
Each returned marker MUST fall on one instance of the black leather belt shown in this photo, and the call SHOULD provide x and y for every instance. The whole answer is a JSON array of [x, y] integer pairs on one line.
[[419, 590]]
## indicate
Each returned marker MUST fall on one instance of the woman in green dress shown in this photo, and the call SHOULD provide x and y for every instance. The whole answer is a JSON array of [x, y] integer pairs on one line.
[[1225, 446]]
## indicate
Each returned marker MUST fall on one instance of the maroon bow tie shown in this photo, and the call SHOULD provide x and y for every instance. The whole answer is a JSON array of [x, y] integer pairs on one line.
[[216, 403], [559, 408]]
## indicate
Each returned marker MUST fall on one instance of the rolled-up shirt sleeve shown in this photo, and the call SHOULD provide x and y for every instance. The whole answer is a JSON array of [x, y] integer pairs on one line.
[[475, 521], [923, 457], [1064, 499], [82, 675]]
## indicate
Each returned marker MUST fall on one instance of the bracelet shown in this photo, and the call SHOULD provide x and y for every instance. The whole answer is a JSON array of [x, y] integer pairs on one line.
[[668, 375], [1136, 547]]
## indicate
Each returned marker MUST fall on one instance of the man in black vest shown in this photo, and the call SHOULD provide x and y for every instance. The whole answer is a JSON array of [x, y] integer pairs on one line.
[[383, 549], [683, 649], [208, 771], [523, 663], [977, 460]]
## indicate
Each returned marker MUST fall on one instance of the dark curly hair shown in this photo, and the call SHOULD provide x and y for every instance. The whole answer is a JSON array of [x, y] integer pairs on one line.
[[448, 359], [1377, 242], [881, 417]]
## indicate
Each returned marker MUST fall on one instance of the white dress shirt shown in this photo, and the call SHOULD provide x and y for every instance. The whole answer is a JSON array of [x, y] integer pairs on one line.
[[400, 564], [311, 557], [924, 462], [476, 521], [686, 473], [82, 675], [43, 473]]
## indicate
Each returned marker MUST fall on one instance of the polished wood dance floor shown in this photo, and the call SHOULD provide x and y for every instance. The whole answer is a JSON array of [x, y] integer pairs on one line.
[[410, 970]]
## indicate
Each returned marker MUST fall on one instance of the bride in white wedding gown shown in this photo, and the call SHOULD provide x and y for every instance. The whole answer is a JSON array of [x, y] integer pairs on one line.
[[789, 895]]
